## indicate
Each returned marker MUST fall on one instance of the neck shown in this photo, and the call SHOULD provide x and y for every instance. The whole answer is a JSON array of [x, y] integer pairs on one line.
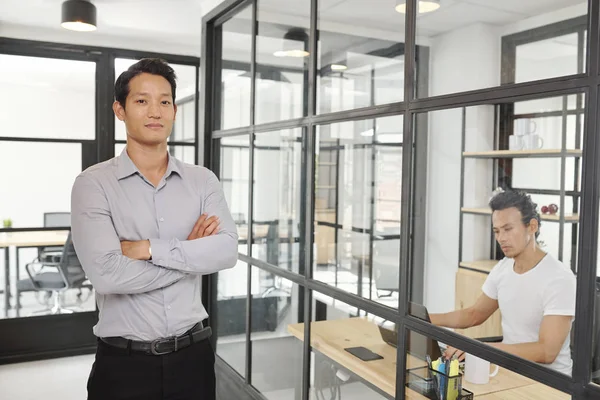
[[152, 161], [528, 258]]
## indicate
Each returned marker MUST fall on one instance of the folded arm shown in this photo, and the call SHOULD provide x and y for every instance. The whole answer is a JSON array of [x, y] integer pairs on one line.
[[99, 249], [207, 254]]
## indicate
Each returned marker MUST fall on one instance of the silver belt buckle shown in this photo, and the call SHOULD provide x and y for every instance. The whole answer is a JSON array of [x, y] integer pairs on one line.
[[155, 343]]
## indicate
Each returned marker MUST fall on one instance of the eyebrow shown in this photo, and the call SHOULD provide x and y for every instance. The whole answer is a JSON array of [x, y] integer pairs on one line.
[[147, 94], [503, 226]]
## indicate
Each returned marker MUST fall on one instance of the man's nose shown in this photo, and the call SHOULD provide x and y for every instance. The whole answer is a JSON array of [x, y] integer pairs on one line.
[[154, 111]]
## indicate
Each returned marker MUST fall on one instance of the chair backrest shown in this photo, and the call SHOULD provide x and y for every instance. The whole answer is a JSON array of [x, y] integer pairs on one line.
[[69, 266], [57, 219]]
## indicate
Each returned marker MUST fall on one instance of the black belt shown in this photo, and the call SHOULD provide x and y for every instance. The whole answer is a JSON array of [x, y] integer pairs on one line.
[[162, 346]]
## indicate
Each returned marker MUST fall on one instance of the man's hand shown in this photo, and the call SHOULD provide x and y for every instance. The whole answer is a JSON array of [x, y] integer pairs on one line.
[[204, 227], [450, 351], [138, 250]]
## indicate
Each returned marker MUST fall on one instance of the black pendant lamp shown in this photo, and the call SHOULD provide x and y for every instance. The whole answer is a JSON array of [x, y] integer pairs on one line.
[[79, 15]]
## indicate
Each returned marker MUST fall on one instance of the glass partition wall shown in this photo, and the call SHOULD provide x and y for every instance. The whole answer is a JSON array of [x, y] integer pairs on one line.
[[359, 144]]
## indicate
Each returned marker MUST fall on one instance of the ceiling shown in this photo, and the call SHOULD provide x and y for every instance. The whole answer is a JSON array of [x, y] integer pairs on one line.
[[179, 20], [358, 26]]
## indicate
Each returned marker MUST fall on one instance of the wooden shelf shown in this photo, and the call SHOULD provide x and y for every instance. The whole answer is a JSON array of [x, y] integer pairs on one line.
[[569, 218], [480, 265], [523, 153]]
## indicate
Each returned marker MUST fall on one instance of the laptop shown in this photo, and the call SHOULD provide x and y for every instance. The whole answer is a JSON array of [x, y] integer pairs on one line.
[[418, 345]]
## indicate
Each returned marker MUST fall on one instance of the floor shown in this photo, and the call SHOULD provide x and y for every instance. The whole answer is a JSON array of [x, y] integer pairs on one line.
[[62, 378]]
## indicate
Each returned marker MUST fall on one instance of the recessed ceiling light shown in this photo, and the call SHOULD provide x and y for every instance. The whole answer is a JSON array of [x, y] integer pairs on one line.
[[425, 6], [78, 15], [338, 67], [291, 53]]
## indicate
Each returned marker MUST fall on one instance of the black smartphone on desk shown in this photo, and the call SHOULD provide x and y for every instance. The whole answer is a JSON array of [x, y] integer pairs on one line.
[[363, 353]]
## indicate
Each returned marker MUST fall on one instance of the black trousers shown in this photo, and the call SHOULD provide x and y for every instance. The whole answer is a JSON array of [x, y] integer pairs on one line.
[[119, 374]]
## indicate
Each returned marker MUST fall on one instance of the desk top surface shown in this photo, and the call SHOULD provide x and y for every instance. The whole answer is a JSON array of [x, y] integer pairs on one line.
[[33, 238], [331, 338]]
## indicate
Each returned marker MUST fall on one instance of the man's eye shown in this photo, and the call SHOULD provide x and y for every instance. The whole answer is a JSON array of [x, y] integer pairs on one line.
[[141, 101], [166, 102]]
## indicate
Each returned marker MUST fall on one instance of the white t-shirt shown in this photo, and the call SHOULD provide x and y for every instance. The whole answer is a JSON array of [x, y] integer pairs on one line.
[[524, 299]]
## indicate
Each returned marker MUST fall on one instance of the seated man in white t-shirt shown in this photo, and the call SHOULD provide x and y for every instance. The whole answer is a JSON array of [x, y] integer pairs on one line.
[[534, 291]]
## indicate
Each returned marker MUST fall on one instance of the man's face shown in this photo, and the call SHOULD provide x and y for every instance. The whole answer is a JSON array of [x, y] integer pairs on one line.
[[149, 111], [512, 235]]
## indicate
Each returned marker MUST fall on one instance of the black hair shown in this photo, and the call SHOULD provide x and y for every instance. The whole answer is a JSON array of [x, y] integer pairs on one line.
[[521, 201], [154, 66]]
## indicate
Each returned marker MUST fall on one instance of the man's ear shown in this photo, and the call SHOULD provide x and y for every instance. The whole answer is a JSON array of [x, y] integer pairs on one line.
[[119, 111], [175, 112], [533, 226]]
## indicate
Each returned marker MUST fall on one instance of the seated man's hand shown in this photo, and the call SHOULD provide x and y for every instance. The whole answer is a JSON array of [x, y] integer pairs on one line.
[[138, 250], [204, 227], [451, 351]]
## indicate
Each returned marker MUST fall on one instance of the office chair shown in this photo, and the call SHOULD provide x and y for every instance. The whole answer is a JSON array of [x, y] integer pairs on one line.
[[69, 275], [47, 255], [54, 220]]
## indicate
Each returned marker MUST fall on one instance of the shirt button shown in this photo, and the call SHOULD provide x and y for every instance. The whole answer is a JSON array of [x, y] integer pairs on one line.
[[168, 307], [160, 261], [162, 219]]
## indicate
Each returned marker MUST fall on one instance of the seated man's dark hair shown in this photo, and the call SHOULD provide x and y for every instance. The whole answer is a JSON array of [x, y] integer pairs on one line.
[[521, 201], [154, 66]]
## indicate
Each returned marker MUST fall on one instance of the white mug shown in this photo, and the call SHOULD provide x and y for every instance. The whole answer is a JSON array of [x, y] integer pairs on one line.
[[515, 142], [532, 142], [524, 126], [477, 370]]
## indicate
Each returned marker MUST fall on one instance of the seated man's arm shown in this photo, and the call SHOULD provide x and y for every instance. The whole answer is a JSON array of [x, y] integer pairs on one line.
[[208, 254], [553, 333], [99, 249], [475, 315]]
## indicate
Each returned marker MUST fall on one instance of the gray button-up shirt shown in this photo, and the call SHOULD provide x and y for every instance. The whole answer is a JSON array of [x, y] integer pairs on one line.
[[146, 300]]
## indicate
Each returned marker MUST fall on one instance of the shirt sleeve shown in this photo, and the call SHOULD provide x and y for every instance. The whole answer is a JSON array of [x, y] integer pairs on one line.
[[208, 254], [490, 286], [560, 296], [99, 249]]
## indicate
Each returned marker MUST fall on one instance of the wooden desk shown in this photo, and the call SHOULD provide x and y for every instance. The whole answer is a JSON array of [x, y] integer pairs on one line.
[[33, 239], [21, 240], [331, 337], [529, 392]]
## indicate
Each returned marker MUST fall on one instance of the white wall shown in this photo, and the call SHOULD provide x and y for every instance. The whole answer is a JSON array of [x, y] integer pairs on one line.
[[461, 60]]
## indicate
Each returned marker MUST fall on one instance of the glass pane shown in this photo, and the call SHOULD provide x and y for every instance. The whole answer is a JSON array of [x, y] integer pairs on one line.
[[38, 194], [476, 376], [337, 373], [187, 154], [357, 207], [360, 55], [235, 71], [235, 177], [183, 128], [282, 61], [486, 43], [230, 317], [501, 233], [276, 354], [29, 82], [277, 192]]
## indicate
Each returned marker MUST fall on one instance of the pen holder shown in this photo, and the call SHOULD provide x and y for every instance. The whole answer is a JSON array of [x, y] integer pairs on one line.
[[436, 385]]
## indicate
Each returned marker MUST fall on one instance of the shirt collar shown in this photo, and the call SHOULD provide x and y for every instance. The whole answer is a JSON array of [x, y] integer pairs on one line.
[[126, 167]]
